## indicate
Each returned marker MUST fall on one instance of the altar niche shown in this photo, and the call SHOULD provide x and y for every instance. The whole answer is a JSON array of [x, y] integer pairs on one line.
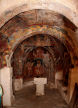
[[37, 64], [41, 56]]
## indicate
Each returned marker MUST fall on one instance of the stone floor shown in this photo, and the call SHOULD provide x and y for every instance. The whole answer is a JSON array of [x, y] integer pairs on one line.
[[26, 98]]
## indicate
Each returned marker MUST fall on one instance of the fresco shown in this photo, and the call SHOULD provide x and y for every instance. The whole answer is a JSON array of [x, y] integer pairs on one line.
[[39, 56], [15, 37], [35, 66], [30, 23], [31, 60]]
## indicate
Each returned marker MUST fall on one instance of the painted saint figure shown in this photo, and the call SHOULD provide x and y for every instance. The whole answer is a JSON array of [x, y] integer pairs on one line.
[[38, 69]]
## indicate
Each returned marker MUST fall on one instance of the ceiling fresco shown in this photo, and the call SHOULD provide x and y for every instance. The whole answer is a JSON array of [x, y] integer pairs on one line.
[[29, 23]]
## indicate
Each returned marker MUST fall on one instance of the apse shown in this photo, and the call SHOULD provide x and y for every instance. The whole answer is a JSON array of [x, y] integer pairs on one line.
[[40, 55]]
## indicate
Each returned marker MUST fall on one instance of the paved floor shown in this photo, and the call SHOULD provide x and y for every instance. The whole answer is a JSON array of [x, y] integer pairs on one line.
[[26, 98]]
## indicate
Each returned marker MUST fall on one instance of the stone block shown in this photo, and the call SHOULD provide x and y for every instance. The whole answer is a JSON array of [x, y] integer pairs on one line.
[[18, 84], [40, 82]]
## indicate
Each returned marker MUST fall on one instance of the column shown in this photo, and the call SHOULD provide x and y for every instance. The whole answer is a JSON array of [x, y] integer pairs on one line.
[[6, 82]]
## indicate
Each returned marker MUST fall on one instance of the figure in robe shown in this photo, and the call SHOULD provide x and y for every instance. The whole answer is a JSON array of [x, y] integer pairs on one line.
[[30, 69], [27, 70], [38, 69]]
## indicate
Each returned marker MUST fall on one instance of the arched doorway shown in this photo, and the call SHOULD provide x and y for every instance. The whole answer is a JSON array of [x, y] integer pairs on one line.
[[41, 56]]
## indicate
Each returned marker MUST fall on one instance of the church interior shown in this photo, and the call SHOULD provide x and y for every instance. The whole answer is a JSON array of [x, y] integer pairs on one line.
[[39, 53]]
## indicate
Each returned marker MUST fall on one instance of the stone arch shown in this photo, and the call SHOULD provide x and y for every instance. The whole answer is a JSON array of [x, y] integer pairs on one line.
[[48, 49], [23, 40], [24, 34], [23, 6], [30, 31]]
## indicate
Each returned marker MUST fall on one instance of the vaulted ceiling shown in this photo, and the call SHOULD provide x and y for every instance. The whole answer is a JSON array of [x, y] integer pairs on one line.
[[21, 19], [9, 9]]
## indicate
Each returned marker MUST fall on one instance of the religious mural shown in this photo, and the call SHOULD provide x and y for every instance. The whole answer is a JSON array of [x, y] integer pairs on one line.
[[39, 56], [35, 64], [32, 58], [14, 35]]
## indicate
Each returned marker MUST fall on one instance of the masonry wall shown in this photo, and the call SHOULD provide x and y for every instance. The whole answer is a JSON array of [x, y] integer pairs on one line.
[[73, 78]]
